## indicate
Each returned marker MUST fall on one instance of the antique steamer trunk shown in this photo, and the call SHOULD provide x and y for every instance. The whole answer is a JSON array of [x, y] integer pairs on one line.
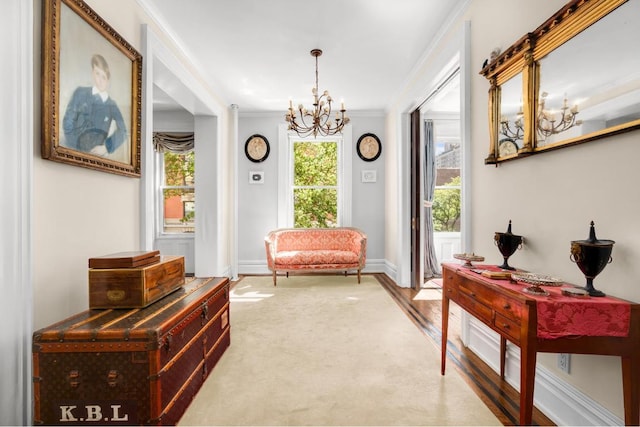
[[137, 366], [134, 287]]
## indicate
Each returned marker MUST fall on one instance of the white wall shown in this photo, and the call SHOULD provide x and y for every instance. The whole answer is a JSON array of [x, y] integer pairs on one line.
[[258, 203]]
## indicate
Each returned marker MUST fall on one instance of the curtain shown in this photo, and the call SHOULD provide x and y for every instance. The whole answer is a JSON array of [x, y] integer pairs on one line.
[[431, 266], [173, 142]]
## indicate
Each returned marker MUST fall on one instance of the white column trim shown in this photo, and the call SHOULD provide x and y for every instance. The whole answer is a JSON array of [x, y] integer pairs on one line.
[[236, 196], [403, 273], [346, 186], [147, 161], [16, 187]]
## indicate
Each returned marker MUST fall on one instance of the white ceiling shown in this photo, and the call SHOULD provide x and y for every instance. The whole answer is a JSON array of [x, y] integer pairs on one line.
[[256, 53]]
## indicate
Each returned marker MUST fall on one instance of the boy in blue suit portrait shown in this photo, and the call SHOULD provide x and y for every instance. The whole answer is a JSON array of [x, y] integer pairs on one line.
[[93, 122]]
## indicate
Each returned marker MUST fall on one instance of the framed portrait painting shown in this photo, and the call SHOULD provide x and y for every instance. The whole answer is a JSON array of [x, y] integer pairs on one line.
[[91, 91]]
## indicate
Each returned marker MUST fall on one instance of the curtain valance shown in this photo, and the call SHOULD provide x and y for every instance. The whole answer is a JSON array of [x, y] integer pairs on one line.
[[173, 142]]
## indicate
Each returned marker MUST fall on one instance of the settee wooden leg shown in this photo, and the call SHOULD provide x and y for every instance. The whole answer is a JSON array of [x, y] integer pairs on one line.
[[358, 276], [274, 277]]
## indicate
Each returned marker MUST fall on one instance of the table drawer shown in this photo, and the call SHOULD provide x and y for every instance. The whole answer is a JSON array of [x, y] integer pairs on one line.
[[507, 307], [474, 307], [508, 326], [451, 291], [477, 292]]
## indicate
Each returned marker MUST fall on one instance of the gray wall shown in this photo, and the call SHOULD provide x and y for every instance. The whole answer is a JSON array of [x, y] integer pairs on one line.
[[258, 203]]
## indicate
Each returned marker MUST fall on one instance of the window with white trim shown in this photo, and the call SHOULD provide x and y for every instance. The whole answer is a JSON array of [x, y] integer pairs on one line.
[[341, 164], [446, 207], [315, 183], [176, 187]]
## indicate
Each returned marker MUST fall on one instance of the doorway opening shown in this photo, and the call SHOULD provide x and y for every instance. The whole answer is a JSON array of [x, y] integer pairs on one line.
[[441, 155]]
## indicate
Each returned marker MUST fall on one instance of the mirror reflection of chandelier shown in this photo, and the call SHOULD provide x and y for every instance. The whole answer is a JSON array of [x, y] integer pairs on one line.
[[516, 131], [318, 120], [551, 122], [548, 122]]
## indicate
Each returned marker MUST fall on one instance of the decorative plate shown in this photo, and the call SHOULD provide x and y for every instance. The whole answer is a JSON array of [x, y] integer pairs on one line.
[[256, 148], [536, 279], [369, 147], [468, 258]]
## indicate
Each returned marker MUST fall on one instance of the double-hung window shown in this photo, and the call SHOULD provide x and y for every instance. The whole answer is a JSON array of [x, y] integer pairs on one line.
[[314, 182], [177, 185], [314, 186]]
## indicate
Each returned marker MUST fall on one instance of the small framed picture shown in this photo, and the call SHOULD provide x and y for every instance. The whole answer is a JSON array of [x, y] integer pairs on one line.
[[369, 176], [256, 177]]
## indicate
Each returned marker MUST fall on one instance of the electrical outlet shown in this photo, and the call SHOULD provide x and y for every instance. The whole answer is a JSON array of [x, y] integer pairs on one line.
[[564, 362]]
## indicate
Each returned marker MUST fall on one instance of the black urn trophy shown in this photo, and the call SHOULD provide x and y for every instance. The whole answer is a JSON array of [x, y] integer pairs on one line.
[[507, 243], [591, 256]]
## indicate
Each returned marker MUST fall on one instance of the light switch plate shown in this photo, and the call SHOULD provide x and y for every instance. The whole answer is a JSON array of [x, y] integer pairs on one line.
[[256, 177]]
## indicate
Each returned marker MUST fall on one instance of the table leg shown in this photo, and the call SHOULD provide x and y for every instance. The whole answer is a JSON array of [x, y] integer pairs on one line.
[[631, 389], [527, 383], [445, 327]]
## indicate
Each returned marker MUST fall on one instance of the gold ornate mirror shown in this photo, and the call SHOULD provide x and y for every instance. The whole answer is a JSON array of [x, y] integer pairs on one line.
[[574, 79]]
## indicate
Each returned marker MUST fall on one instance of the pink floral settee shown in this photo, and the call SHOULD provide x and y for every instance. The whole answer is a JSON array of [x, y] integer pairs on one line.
[[314, 249]]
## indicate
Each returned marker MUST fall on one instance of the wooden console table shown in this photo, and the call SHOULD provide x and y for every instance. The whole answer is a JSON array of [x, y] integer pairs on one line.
[[502, 306]]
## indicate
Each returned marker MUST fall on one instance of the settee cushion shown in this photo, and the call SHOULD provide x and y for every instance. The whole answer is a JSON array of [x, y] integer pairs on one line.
[[316, 257]]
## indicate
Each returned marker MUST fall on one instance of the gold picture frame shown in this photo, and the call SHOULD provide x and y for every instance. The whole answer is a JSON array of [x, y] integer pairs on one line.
[[91, 91]]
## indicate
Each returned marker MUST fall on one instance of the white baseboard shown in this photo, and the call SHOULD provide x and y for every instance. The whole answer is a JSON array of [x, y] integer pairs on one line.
[[258, 267], [391, 270], [557, 399]]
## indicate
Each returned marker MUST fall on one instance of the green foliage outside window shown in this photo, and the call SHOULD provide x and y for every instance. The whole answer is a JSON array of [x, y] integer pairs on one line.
[[315, 180], [179, 171], [315, 208], [446, 207]]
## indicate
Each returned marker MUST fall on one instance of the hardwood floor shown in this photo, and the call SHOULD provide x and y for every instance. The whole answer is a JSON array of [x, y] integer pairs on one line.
[[496, 393]]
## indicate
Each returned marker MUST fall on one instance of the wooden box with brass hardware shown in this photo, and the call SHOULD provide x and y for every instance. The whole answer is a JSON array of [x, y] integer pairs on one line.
[[135, 287], [128, 367]]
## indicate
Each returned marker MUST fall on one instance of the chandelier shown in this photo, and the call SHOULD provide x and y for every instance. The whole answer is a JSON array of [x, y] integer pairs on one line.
[[317, 120], [548, 122]]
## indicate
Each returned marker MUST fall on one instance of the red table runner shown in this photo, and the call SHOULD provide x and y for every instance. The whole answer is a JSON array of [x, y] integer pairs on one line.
[[564, 316]]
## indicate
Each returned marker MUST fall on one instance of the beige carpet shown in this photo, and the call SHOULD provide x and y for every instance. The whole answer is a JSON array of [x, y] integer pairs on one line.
[[325, 351]]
